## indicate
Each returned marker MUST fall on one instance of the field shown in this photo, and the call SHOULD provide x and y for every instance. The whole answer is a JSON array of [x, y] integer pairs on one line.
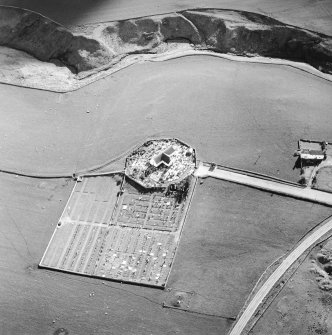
[[301, 307], [232, 234], [243, 115], [40, 301], [229, 228], [323, 179], [214, 109], [315, 15]]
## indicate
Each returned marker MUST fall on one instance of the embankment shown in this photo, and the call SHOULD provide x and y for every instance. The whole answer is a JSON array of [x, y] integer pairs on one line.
[[86, 50], [222, 31], [48, 41]]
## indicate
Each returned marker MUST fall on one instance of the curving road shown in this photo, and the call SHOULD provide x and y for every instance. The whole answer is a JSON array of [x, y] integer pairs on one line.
[[310, 240], [262, 293]]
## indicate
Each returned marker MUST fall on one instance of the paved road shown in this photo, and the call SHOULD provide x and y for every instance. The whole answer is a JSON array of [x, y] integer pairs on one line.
[[276, 276], [315, 15], [271, 186]]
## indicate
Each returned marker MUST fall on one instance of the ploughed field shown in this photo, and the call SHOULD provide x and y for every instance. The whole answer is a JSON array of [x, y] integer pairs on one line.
[[243, 115]]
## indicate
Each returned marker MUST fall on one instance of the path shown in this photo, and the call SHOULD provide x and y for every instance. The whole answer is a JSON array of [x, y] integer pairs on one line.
[[267, 185]]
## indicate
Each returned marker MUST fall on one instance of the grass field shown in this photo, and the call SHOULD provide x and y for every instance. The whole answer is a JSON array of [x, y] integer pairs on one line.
[[315, 15], [301, 307], [231, 235], [243, 115], [32, 298], [323, 179]]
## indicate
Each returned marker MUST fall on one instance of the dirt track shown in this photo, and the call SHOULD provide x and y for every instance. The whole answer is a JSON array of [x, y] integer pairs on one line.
[[315, 15]]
